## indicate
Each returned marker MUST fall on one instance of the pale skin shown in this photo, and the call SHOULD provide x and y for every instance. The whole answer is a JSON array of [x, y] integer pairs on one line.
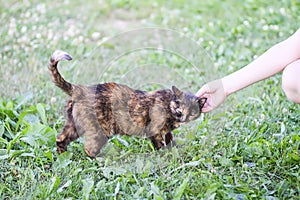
[[284, 56]]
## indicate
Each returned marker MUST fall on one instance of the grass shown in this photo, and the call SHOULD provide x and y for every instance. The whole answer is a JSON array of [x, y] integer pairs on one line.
[[246, 149]]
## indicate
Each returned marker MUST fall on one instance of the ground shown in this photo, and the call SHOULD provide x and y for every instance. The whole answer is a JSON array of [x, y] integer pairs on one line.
[[246, 149]]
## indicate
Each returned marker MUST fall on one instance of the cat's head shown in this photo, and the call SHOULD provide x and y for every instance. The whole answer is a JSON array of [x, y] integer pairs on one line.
[[186, 107]]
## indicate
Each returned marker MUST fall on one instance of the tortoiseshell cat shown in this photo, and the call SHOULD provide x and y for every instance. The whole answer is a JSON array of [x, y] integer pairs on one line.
[[103, 110]]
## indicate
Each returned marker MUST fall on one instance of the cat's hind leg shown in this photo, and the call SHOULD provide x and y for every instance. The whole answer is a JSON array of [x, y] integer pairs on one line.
[[95, 140], [87, 123], [68, 133]]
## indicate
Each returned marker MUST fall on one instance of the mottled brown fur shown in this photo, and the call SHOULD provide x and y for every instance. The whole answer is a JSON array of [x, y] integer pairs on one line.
[[103, 110]]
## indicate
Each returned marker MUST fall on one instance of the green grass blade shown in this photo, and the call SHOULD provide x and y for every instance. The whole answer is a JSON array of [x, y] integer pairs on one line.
[[88, 185], [41, 110], [179, 191]]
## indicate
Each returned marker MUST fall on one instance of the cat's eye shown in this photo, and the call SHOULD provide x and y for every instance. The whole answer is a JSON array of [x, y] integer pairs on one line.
[[177, 102], [178, 114]]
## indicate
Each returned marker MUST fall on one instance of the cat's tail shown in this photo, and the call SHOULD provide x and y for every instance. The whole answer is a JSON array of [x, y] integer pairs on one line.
[[59, 81]]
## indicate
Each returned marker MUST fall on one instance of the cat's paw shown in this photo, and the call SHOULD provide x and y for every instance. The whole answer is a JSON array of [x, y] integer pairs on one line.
[[59, 55]]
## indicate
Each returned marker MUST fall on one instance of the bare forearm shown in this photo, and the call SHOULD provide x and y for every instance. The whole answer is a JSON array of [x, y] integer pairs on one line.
[[271, 62]]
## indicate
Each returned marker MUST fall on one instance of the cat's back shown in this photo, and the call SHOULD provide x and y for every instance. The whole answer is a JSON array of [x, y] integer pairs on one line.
[[121, 109]]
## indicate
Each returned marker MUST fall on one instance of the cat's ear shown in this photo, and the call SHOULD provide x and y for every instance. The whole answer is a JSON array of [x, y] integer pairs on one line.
[[176, 91], [201, 101]]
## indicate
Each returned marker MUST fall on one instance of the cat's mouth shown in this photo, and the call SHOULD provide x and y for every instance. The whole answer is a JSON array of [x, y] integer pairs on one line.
[[178, 120]]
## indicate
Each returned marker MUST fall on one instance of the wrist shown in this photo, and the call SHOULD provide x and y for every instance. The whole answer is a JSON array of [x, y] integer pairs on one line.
[[226, 86]]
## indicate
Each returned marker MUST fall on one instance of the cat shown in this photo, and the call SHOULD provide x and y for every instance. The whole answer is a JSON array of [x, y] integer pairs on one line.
[[102, 110]]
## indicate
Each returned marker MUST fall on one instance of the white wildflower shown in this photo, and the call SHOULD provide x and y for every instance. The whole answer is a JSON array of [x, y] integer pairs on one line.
[[96, 35], [265, 27], [23, 29], [246, 23], [284, 110]]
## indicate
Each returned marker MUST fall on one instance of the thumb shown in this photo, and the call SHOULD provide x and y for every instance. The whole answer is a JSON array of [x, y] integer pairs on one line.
[[206, 109]]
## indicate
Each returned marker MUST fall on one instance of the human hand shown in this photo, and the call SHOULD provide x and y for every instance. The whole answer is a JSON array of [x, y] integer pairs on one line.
[[215, 94]]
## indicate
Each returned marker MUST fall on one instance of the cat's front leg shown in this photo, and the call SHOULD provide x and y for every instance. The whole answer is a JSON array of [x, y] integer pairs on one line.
[[170, 140], [158, 141], [162, 141]]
